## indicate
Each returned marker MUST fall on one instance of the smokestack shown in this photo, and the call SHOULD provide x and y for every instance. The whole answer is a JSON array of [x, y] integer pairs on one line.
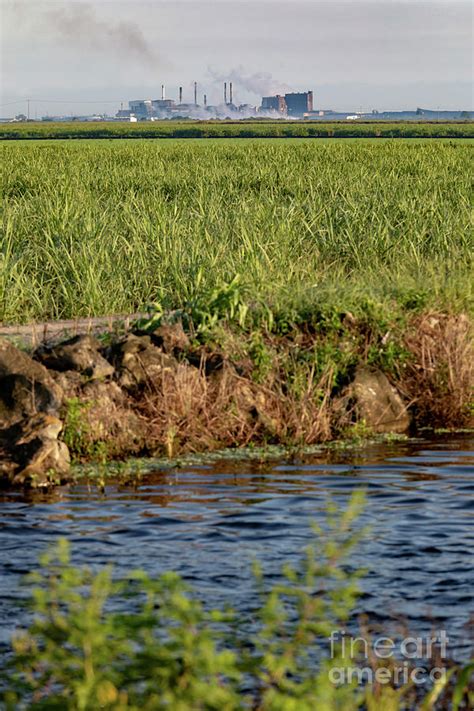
[[162, 92], [195, 93], [205, 99], [180, 94], [230, 92], [225, 92]]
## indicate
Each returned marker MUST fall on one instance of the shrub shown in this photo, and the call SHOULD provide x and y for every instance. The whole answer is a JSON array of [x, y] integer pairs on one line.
[[151, 644]]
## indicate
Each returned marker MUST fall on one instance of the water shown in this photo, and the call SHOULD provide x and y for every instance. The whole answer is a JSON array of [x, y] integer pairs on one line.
[[209, 522]]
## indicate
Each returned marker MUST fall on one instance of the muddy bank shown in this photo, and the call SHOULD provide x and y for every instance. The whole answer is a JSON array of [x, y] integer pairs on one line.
[[167, 389]]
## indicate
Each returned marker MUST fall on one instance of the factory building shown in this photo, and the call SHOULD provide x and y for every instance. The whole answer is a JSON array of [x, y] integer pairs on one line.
[[296, 105], [142, 108], [299, 104], [162, 105], [274, 103]]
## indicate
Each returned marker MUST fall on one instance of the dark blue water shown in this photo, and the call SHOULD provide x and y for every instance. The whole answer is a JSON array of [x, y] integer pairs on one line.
[[210, 522]]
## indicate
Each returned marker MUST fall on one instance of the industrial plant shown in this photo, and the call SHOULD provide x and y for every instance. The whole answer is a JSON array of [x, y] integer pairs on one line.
[[292, 105]]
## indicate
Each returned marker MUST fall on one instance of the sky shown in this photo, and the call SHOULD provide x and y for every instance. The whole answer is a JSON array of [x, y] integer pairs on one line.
[[84, 57]]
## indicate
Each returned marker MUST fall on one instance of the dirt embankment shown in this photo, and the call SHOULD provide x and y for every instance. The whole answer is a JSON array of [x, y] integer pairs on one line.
[[167, 392], [34, 335]]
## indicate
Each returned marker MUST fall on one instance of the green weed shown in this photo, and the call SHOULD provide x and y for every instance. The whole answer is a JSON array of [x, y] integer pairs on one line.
[[321, 228], [77, 433], [238, 129]]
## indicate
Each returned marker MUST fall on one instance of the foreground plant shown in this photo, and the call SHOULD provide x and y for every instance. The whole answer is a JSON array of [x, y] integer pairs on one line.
[[96, 643]]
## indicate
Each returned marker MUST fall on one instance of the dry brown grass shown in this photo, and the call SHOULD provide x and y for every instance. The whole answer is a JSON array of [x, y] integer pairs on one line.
[[214, 396], [189, 411], [439, 379]]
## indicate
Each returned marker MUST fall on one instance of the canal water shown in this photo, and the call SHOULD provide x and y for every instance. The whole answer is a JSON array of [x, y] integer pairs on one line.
[[209, 522]]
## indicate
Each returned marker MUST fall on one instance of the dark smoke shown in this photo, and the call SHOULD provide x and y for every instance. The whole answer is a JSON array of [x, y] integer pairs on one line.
[[79, 24]]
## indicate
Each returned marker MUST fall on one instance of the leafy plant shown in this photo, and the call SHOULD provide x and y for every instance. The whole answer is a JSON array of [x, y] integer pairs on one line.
[[77, 433], [261, 357], [150, 644]]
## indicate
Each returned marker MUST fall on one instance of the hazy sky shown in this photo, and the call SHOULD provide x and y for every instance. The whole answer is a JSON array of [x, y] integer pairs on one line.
[[383, 54]]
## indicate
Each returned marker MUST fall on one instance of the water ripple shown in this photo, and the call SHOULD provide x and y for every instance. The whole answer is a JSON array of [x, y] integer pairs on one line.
[[210, 522]]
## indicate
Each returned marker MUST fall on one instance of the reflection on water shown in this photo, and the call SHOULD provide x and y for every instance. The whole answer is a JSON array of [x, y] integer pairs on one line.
[[210, 521]]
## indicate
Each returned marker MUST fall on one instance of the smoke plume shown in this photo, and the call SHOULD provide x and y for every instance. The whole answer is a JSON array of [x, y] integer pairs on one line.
[[79, 24], [259, 83]]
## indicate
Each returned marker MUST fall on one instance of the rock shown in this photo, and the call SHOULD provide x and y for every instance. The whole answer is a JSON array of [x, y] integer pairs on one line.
[[35, 456], [26, 387], [109, 418], [81, 354], [106, 414], [139, 362], [171, 337], [377, 402], [71, 383]]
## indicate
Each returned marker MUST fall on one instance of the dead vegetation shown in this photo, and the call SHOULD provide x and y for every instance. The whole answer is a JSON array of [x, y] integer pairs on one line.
[[439, 375], [237, 389], [168, 390], [187, 410], [220, 403]]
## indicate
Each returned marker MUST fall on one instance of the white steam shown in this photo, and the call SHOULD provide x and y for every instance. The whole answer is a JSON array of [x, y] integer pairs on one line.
[[259, 84]]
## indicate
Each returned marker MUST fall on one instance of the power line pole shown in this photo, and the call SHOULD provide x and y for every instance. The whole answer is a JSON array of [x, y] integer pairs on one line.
[[28, 109]]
